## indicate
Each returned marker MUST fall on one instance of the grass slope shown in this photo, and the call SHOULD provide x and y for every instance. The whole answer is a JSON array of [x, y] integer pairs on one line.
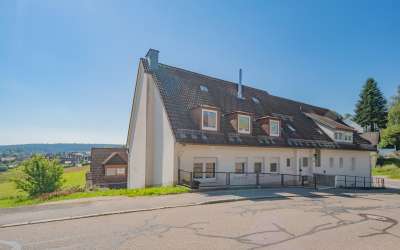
[[389, 168], [74, 177]]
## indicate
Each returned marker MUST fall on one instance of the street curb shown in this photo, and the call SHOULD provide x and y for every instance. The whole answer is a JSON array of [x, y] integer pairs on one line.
[[25, 223]]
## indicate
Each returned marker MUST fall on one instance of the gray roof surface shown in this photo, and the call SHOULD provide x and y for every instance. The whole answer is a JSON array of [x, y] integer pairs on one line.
[[181, 93]]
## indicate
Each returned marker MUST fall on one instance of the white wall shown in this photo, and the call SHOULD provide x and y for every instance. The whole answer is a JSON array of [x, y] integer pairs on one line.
[[136, 142], [362, 162], [162, 149], [227, 155], [150, 141]]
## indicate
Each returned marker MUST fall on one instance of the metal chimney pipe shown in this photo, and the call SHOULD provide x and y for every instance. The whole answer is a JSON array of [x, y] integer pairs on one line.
[[240, 87]]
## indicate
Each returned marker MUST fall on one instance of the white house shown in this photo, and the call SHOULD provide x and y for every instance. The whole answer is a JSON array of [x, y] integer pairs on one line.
[[203, 125]]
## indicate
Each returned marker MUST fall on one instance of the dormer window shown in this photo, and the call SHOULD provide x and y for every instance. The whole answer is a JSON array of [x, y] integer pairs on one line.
[[244, 124], [343, 136], [274, 128], [209, 119]]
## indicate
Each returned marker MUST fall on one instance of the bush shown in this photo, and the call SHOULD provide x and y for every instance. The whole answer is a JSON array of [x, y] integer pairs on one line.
[[39, 175]]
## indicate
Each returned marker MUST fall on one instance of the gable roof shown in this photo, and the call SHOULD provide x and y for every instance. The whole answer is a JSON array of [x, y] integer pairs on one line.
[[181, 93], [115, 158], [101, 155]]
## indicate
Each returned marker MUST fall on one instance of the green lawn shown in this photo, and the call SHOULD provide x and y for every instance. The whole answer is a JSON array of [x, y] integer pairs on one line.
[[74, 178], [389, 168]]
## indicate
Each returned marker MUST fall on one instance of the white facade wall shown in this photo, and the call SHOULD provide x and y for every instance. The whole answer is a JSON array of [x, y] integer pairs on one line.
[[226, 157], [136, 142], [151, 143], [162, 148]]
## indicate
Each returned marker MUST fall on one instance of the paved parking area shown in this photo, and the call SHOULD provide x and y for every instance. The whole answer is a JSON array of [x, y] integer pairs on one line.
[[369, 221]]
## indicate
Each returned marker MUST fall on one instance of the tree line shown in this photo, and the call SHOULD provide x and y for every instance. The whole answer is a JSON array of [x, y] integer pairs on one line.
[[375, 114]]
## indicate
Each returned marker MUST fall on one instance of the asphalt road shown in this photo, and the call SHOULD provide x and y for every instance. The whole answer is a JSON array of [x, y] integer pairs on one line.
[[335, 222]]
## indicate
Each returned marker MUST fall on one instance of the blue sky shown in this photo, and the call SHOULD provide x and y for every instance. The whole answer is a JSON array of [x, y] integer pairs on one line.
[[67, 68]]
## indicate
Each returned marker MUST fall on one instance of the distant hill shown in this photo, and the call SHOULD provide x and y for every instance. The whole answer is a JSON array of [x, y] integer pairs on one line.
[[52, 148]]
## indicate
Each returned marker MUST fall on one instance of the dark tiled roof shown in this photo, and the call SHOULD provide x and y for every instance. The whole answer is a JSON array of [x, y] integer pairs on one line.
[[181, 93], [116, 158], [101, 155]]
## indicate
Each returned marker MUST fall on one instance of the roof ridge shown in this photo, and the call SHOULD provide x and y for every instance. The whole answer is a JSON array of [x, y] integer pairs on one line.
[[203, 75]]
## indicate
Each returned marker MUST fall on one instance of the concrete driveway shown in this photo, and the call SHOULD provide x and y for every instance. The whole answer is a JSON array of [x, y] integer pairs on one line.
[[367, 221]]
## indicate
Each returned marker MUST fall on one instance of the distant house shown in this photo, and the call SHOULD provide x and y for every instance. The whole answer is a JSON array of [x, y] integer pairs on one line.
[[186, 122], [108, 168], [8, 159]]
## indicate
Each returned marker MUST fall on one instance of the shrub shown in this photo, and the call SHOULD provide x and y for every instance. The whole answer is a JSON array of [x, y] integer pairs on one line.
[[39, 175]]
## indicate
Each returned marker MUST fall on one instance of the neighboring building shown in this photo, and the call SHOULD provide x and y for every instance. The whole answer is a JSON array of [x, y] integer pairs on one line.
[[108, 168], [8, 159], [189, 121]]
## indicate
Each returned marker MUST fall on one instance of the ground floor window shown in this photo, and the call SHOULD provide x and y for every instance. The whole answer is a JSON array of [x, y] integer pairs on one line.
[[198, 170], [288, 163], [305, 162], [241, 165], [340, 162], [257, 167], [331, 162], [204, 168], [353, 163], [274, 165], [317, 158], [210, 170]]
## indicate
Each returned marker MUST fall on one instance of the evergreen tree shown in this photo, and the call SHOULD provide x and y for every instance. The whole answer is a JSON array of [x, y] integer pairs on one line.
[[371, 110]]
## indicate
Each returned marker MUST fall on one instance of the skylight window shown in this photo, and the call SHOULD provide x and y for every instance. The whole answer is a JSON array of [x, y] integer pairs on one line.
[[291, 128], [255, 99], [203, 88]]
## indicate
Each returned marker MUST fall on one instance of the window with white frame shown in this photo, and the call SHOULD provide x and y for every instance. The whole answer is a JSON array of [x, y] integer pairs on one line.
[[198, 170], [353, 163], [209, 119], [274, 128], [204, 168], [115, 171], [111, 171], [331, 162], [244, 124], [340, 162], [274, 165], [120, 171], [343, 136], [240, 165]]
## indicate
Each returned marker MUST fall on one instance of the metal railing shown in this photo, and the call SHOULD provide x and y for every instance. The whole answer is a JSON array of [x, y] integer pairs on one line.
[[233, 179], [349, 181]]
